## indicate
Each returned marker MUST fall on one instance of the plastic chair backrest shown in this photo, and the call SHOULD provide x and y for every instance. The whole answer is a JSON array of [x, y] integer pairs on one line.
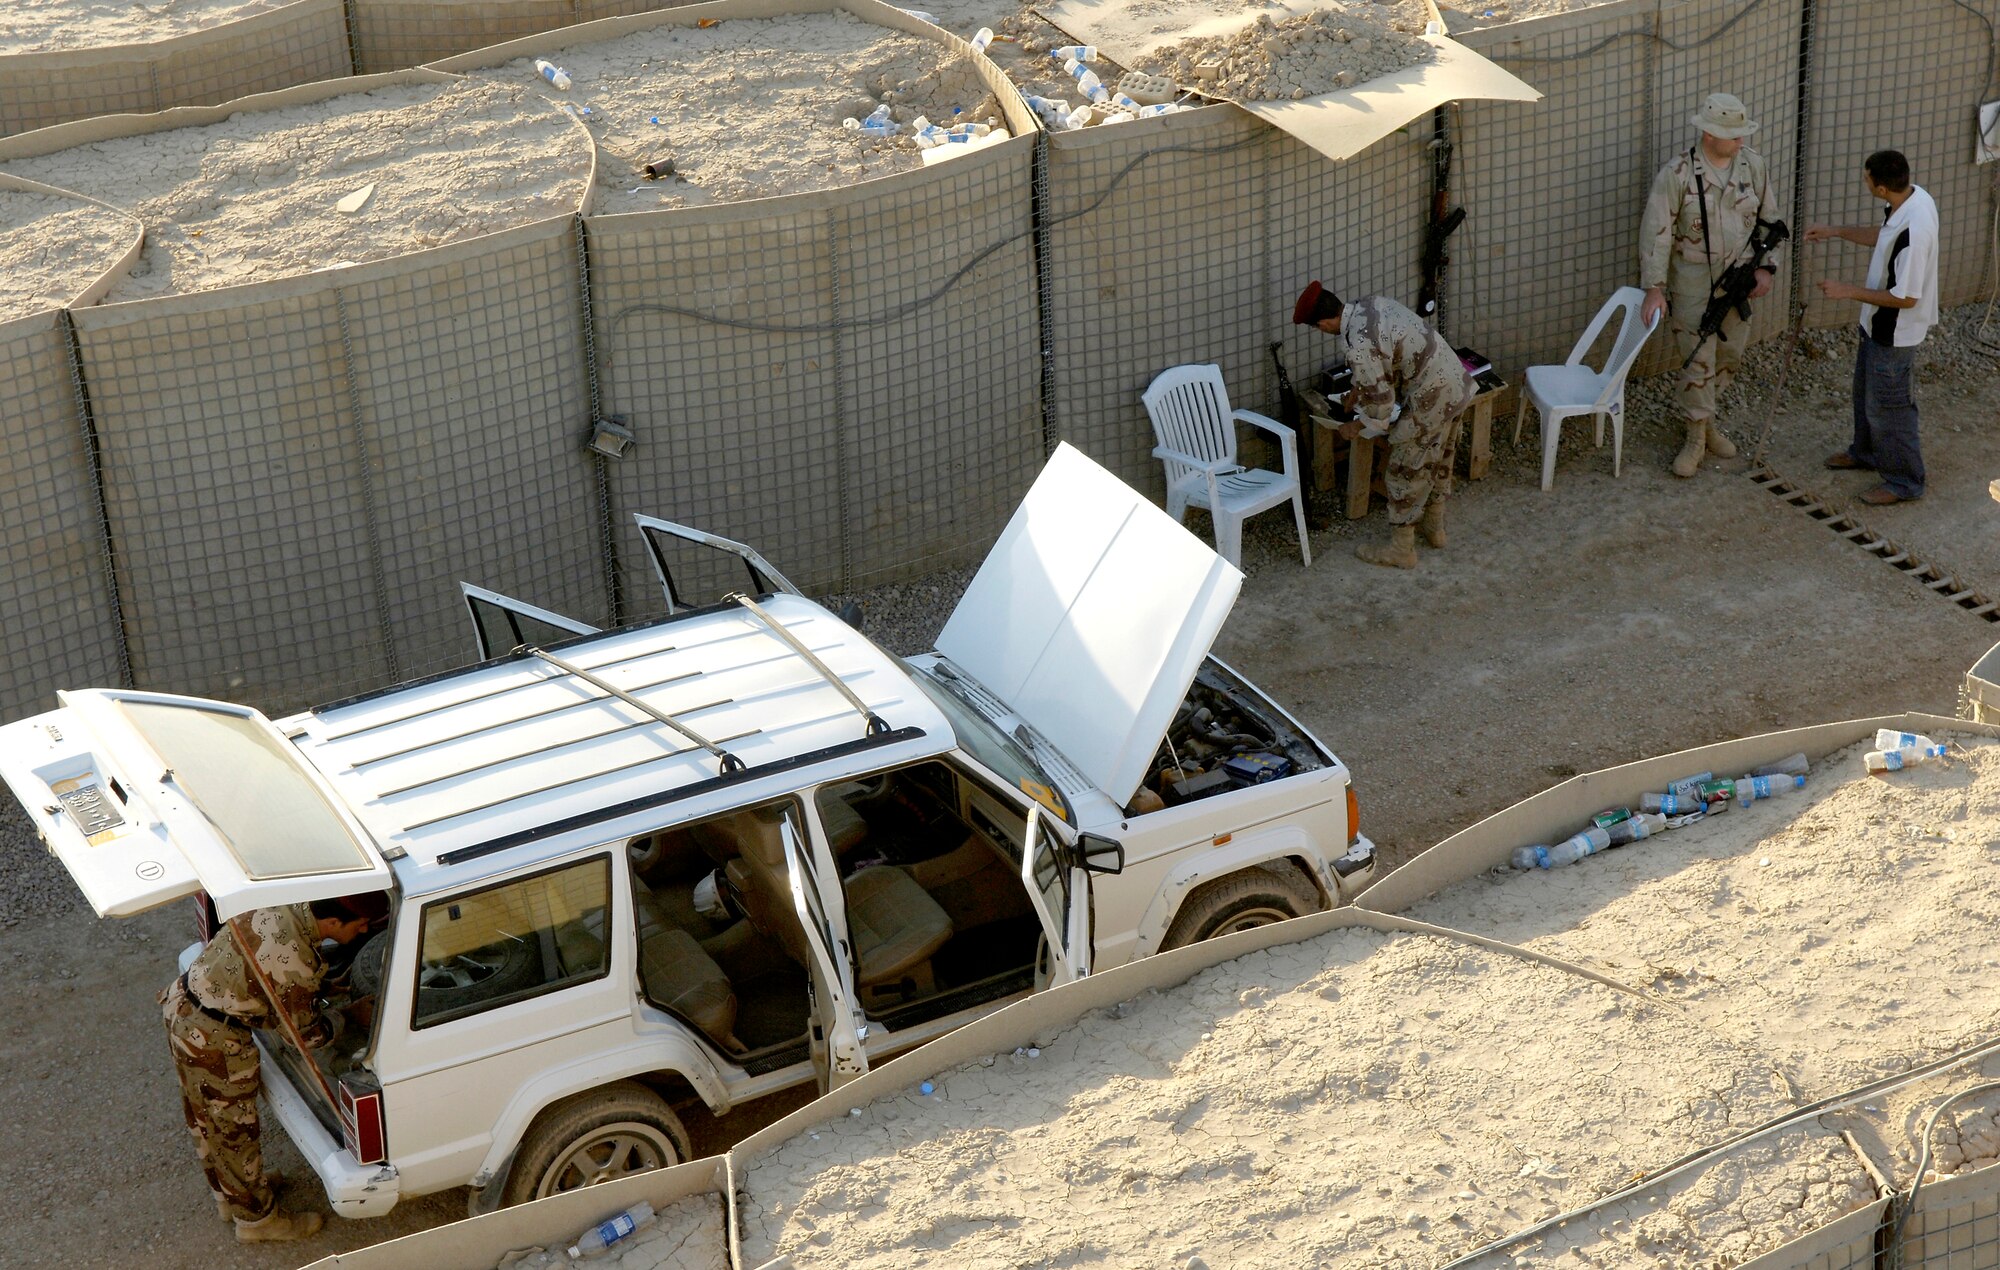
[[1632, 336], [1189, 408]]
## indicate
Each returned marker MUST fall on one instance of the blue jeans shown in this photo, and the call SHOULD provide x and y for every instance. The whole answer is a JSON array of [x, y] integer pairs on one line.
[[1885, 416]]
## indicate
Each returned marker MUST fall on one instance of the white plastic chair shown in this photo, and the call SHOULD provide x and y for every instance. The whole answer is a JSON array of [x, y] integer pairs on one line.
[[1573, 388], [1196, 431]]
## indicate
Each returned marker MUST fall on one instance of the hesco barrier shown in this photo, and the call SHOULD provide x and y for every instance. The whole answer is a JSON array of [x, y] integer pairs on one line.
[[859, 382], [296, 43], [1953, 1224]]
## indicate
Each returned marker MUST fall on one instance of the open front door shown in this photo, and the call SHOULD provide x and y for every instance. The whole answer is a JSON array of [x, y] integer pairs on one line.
[[666, 545], [501, 623], [837, 1026], [1059, 888]]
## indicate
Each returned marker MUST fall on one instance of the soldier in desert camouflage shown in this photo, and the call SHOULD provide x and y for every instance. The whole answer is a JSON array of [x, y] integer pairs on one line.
[[1704, 205], [1394, 356], [210, 1011]]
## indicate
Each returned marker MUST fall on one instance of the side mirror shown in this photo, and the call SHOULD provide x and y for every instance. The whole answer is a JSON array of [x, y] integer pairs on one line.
[[851, 614], [1098, 854]]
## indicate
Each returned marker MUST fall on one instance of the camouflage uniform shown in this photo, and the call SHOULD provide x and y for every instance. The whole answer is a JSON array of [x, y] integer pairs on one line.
[[1672, 257], [209, 1014], [1393, 354]]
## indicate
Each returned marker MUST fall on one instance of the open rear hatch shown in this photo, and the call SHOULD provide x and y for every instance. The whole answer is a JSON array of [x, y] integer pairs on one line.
[[146, 798], [1090, 617]]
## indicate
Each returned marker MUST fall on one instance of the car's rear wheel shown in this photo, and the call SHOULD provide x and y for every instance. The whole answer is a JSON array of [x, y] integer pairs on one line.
[[1242, 901], [609, 1133]]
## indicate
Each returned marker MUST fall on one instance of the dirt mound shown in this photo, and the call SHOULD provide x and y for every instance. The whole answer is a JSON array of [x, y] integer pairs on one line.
[[1297, 57]]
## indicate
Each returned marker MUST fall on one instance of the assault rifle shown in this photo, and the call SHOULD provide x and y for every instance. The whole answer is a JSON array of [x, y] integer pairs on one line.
[[1732, 290]]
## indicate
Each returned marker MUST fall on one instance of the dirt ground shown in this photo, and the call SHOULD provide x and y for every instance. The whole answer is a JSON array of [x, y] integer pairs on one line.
[[1593, 625]]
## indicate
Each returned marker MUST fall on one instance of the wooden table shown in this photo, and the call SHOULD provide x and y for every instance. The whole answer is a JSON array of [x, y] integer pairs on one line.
[[1361, 451]]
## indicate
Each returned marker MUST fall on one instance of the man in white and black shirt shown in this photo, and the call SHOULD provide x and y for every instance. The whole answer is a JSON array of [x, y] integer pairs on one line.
[[1898, 307]]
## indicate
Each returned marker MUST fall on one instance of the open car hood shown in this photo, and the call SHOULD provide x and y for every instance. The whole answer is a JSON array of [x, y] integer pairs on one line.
[[147, 797], [1090, 617]]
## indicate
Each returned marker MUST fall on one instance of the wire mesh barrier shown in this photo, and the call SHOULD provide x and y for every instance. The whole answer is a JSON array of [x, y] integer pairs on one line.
[[57, 592], [1908, 77], [297, 43], [849, 384]]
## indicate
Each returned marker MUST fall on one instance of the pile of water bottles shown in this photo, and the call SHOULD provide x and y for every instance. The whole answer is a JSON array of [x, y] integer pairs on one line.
[[1682, 803], [1101, 105], [922, 130]]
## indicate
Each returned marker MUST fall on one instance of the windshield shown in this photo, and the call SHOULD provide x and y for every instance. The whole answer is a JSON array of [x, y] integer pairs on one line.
[[992, 747]]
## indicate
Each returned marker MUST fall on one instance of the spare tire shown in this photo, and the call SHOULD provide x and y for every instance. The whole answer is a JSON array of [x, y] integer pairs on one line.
[[483, 974]]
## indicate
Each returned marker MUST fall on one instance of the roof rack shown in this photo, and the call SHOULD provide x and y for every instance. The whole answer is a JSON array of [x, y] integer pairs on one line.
[[729, 762], [874, 725]]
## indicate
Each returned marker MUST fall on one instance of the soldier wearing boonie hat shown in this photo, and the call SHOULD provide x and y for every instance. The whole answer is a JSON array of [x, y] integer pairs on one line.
[[1704, 205]]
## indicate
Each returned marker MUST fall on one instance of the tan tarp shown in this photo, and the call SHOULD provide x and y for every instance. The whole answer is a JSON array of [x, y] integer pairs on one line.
[[1338, 124]]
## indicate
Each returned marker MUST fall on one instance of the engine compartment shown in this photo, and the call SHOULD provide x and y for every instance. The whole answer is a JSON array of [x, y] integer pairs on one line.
[[1224, 737]]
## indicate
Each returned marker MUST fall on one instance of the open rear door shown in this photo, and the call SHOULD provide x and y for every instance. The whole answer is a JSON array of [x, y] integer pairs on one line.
[[1059, 888], [667, 544], [146, 798], [501, 623], [838, 1027]]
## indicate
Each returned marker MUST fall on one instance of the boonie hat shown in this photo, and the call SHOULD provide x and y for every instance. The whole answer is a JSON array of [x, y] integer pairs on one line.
[[1723, 115]]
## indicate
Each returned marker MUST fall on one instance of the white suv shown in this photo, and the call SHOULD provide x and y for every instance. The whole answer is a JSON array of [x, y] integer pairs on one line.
[[707, 857]]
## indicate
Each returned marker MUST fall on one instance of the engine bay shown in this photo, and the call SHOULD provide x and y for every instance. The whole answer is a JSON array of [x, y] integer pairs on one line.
[[1224, 737]]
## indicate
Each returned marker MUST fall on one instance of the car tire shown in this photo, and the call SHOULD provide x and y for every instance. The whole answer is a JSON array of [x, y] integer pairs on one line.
[[481, 975], [611, 1132], [1242, 901]]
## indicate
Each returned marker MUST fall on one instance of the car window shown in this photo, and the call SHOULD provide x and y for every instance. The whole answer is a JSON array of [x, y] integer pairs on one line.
[[993, 748], [513, 941]]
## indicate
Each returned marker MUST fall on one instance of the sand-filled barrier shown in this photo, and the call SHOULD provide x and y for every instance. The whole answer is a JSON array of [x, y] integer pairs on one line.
[[1845, 930], [752, 107], [346, 179], [1356, 1098]]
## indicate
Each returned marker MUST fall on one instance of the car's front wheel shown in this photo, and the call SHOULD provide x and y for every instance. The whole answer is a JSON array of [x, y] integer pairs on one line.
[[1242, 901], [601, 1136]]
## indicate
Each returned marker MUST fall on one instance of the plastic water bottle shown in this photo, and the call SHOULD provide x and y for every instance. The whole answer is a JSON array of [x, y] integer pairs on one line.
[[610, 1231], [1688, 784], [970, 129], [1087, 82], [1751, 788], [1791, 765], [551, 72], [1897, 759], [931, 135], [1886, 739], [981, 39], [921, 16], [1643, 825], [1048, 109], [1531, 857], [1570, 850], [1125, 103], [1151, 112], [1672, 804], [1075, 53]]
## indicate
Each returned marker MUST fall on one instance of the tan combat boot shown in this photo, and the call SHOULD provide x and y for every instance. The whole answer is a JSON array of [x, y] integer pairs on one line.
[[1433, 523], [1400, 552], [278, 1226], [1718, 445], [274, 1179], [1688, 461]]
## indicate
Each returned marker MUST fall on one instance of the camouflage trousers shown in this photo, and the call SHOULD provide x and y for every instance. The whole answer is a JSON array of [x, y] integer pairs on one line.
[[1714, 367], [1419, 468], [217, 1067]]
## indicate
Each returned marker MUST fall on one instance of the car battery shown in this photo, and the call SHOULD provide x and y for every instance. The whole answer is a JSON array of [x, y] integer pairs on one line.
[[1255, 769]]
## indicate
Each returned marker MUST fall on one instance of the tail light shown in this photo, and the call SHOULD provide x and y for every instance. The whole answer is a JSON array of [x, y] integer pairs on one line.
[[361, 1128], [1353, 817], [205, 924]]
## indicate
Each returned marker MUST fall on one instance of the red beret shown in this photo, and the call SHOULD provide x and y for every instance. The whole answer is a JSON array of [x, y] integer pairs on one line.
[[1302, 311]]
